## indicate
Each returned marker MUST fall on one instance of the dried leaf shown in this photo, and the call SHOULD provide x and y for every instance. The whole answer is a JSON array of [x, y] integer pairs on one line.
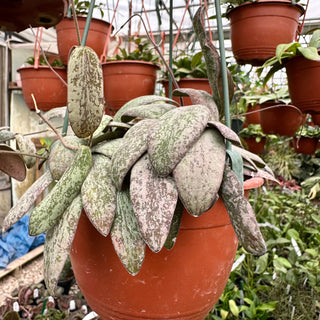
[[199, 174], [173, 135], [99, 194], [154, 201], [125, 235]]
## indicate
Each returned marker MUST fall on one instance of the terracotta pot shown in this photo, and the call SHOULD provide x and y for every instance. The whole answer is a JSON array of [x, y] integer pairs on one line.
[[194, 83], [316, 118], [253, 115], [305, 145], [304, 83], [125, 80], [257, 28], [182, 283], [47, 88], [254, 146], [20, 15], [280, 119], [67, 36]]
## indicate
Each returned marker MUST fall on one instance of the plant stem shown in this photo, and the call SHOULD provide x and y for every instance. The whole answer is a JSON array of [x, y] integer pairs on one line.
[[23, 154]]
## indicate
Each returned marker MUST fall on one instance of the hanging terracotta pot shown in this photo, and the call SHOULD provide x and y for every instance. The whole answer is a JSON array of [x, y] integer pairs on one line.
[[67, 35], [316, 118], [280, 119], [182, 283], [47, 88], [255, 146], [304, 83], [253, 114], [305, 145], [257, 28], [20, 15], [194, 83], [125, 80]]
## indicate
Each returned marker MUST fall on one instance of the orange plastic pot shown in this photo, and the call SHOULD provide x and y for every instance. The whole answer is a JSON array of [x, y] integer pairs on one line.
[[304, 83], [257, 28], [67, 35], [182, 283], [194, 83], [255, 146], [253, 114], [305, 145], [47, 88], [125, 80]]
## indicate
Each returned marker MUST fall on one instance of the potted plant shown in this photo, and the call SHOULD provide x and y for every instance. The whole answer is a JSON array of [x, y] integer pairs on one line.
[[47, 82], [190, 72], [98, 34], [254, 138], [128, 75], [302, 68], [306, 139], [257, 27]]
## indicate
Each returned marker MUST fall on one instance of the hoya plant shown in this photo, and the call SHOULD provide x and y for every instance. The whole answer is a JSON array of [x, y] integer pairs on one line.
[[132, 174]]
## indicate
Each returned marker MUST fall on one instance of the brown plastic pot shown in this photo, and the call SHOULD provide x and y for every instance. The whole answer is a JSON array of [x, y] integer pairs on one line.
[[257, 28], [255, 146], [305, 145], [304, 83], [47, 88], [182, 283], [194, 83], [253, 114], [280, 119], [125, 80], [67, 36]]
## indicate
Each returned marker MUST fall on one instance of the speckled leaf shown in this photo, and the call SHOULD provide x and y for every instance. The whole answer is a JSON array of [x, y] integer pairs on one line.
[[199, 174], [134, 144], [6, 135], [141, 101], [107, 148], [174, 134], [228, 133], [58, 243], [200, 97], [12, 163], [250, 157], [175, 226], [25, 145], [241, 214], [106, 119], [26, 201], [85, 91], [147, 111], [59, 112], [99, 194], [125, 235], [154, 200]]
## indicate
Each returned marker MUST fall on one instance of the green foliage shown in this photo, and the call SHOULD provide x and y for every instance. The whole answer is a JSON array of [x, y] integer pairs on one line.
[[82, 7], [253, 130], [308, 131], [43, 62]]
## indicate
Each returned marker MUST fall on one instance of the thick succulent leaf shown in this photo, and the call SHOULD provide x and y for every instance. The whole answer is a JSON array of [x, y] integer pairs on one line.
[[147, 111], [12, 163], [6, 135], [228, 133], [260, 173], [106, 119], [107, 148], [174, 134], [59, 112], [25, 145], [241, 214], [250, 157], [175, 226], [99, 195], [154, 200], [134, 144], [26, 201], [58, 243], [141, 101], [85, 91], [125, 235], [199, 174], [200, 97]]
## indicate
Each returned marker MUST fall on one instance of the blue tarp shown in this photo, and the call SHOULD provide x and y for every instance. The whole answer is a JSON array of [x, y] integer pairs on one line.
[[16, 242]]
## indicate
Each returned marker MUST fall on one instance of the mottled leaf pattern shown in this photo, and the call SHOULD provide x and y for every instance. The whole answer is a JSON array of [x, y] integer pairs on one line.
[[25, 145], [228, 133], [50, 209], [106, 119], [154, 201], [26, 201], [58, 243], [6, 135], [59, 112], [170, 139], [107, 148], [133, 146], [250, 157], [99, 194], [199, 174], [85, 91], [241, 214], [125, 235]]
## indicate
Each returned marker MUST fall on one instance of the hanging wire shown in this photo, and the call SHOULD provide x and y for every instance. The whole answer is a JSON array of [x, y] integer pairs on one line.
[[147, 18], [180, 27]]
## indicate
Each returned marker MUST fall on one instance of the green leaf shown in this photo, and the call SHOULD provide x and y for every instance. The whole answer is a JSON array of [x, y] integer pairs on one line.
[[262, 263], [310, 53], [234, 308], [284, 262], [315, 39], [196, 59]]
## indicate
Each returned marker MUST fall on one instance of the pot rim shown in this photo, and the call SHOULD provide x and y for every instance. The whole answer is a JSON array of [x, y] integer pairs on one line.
[[130, 62], [40, 67], [83, 17], [188, 79], [299, 6]]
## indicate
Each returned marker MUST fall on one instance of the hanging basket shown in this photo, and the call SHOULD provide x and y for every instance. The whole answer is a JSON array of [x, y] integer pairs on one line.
[[182, 283], [305, 145], [255, 146], [257, 28]]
